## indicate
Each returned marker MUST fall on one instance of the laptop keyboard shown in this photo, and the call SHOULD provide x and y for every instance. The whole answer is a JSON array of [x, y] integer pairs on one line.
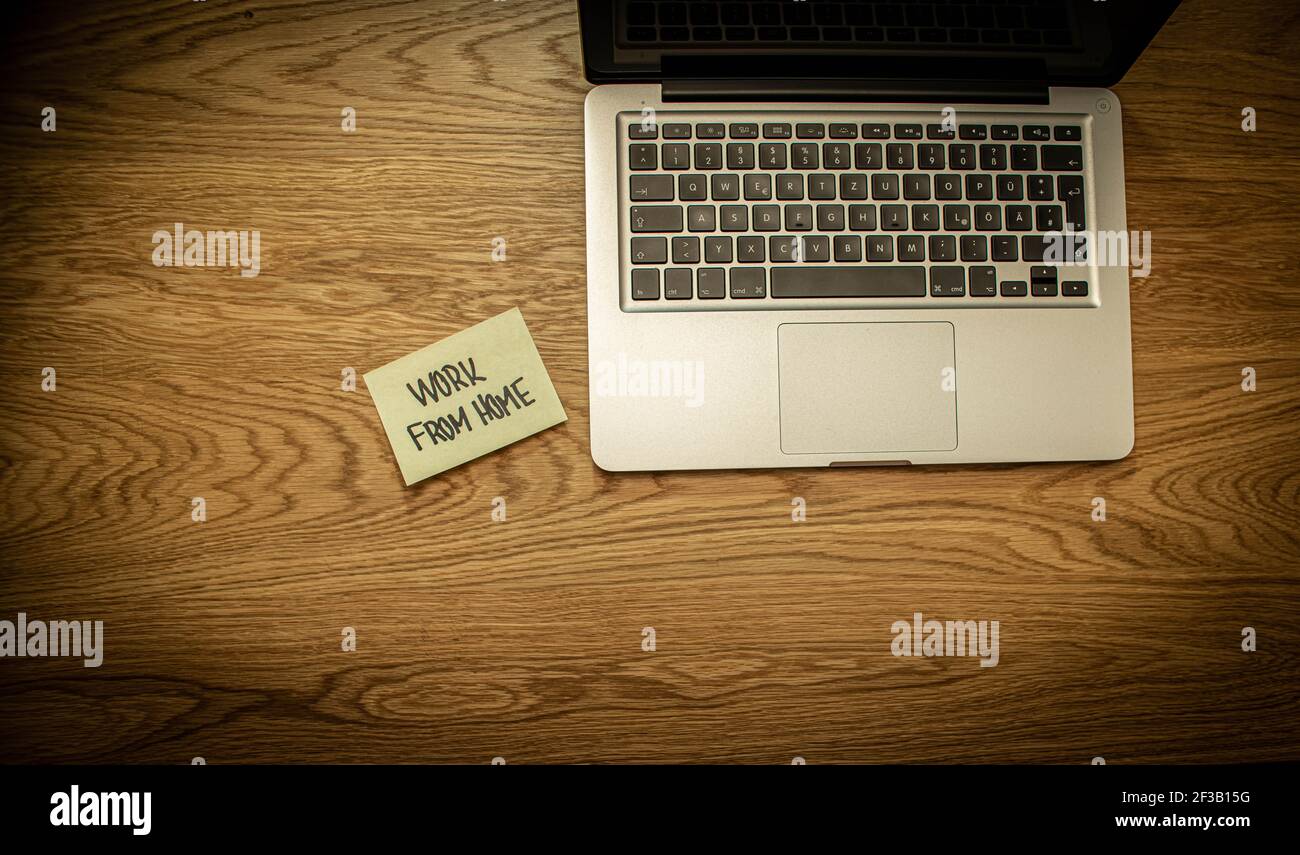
[[789, 211]]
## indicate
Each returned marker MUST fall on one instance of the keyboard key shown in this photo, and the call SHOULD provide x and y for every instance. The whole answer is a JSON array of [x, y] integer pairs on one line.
[[656, 218], [1043, 289], [637, 131], [947, 187], [961, 156], [907, 131], [836, 156], [677, 283], [701, 218], [930, 156], [979, 188], [862, 218], [767, 218], [1074, 289], [1040, 188], [708, 155], [645, 284], [1004, 248], [686, 250], [868, 156], [798, 218], [653, 188], [943, 248], [1067, 133], [973, 247], [748, 283], [939, 132], [649, 250], [724, 188], [875, 132], [743, 131], [893, 218], [821, 186], [717, 250], [776, 131], [884, 186], [749, 249], [677, 132], [1011, 188], [711, 284], [880, 248], [783, 249], [830, 218], [1047, 218], [1019, 218], [916, 187], [853, 185], [988, 218], [925, 218], [710, 131], [899, 156], [758, 187], [1070, 191], [677, 156], [844, 131], [1005, 132], [789, 186], [860, 281], [816, 248], [956, 218], [947, 281], [735, 218], [771, 155], [973, 132], [983, 281], [1063, 158], [993, 157], [810, 130], [692, 188], [1015, 289], [847, 247], [1042, 274], [740, 155], [804, 156], [1041, 133], [911, 248], [643, 156]]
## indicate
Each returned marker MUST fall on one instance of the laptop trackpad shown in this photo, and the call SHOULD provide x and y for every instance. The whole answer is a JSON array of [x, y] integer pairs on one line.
[[867, 387]]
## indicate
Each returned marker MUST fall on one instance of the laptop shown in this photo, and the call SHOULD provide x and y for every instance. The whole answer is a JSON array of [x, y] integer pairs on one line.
[[858, 233]]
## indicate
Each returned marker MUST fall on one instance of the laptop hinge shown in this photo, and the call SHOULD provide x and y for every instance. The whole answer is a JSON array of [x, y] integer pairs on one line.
[[830, 89]]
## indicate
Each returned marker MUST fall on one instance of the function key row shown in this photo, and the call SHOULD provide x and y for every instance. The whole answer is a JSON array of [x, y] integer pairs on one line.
[[852, 131]]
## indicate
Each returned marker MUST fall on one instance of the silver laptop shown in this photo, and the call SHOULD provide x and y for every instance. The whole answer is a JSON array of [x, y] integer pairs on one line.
[[857, 233]]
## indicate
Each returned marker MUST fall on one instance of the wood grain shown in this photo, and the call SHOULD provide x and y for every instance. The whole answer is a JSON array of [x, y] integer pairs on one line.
[[523, 639]]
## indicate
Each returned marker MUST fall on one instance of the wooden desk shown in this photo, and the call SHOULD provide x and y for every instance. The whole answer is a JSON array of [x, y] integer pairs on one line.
[[523, 639]]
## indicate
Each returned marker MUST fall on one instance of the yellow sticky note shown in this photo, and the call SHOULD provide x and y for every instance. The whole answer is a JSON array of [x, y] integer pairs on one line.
[[474, 392]]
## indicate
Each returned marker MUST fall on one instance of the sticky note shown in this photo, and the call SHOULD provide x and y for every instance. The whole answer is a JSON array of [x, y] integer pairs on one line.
[[465, 396]]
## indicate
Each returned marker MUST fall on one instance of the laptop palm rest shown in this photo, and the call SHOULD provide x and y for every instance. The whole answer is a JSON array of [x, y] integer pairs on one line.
[[856, 388]]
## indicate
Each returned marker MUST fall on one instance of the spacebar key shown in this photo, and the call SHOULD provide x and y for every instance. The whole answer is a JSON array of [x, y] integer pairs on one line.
[[848, 281]]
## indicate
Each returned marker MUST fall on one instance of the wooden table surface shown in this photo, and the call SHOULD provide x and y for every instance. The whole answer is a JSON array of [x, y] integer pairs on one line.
[[523, 639]]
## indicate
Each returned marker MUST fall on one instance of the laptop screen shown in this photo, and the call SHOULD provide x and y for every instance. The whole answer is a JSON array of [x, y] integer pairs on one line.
[[1065, 42]]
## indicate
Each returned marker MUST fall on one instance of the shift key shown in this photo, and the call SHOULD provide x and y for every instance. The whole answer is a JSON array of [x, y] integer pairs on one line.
[[656, 218]]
